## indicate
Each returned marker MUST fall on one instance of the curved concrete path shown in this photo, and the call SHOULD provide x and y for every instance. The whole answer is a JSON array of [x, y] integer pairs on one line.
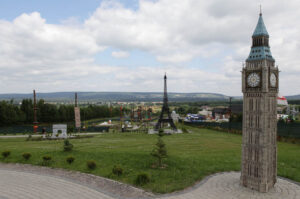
[[226, 186], [19, 184]]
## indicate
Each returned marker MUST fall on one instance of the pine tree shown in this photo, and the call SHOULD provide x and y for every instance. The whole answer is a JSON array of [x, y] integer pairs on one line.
[[160, 151]]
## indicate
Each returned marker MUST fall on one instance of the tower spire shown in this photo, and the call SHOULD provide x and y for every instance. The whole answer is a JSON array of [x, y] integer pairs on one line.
[[260, 42], [260, 12]]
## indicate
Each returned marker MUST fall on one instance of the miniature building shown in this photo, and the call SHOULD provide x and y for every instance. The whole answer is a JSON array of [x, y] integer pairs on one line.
[[260, 89]]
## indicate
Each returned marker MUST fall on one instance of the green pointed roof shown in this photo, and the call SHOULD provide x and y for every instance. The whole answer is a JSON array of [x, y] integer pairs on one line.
[[260, 28]]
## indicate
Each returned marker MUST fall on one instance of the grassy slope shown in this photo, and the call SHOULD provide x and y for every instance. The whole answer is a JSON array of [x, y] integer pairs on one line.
[[191, 156]]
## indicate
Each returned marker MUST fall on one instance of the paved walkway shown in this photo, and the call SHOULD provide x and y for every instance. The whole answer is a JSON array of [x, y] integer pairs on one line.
[[18, 184], [226, 186], [21, 185]]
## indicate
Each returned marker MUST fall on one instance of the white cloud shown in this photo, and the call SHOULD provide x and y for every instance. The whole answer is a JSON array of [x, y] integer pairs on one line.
[[36, 54], [120, 54]]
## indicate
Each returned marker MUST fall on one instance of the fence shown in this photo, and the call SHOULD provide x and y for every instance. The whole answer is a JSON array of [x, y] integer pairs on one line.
[[290, 130], [22, 129], [97, 129], [29, 129]]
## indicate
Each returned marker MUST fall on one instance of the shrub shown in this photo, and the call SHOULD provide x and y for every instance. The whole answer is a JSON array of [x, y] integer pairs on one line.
[[5, 154], [142, 178], [39, 138], [117, 170], [293, 140], [47, 158], [91, 164], [67, 145], [70, 129], [26, 156], [184, 130], [70, 159], [29, 137], [160, 132]]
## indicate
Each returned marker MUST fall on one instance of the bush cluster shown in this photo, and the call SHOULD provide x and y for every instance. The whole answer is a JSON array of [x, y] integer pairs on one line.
[[91, 164], [26, 156], [47, 158], [117, 170], [70, 159], [5, 154], [142, 178], [287, 139], [184, 130]]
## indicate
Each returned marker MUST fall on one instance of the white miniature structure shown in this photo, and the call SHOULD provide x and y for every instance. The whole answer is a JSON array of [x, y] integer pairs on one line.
[[175, 116], [166, 131], [59, 127]]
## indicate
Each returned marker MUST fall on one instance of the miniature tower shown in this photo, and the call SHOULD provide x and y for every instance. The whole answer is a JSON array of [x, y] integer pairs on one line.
[[77, 114], [165, 111], [260, 89], [35, 122]]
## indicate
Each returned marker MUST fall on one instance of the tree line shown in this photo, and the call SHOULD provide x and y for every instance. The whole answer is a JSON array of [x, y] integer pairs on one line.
[[12, 114]]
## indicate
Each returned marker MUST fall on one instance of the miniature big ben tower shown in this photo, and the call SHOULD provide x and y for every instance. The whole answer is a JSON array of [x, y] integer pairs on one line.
[[260, 89]]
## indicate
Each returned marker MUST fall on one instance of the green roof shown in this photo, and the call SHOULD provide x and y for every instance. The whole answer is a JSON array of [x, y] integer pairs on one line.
[[259, 53], [260, 28]]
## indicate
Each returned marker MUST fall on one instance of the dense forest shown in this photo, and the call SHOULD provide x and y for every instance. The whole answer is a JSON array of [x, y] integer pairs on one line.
[[11, 114]]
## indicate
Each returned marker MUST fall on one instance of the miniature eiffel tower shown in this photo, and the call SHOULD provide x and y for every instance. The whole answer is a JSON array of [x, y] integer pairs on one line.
[[165, 111]]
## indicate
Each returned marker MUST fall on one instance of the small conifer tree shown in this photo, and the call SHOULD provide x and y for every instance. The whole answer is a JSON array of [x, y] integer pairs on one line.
[[67, 145], [160, 151]]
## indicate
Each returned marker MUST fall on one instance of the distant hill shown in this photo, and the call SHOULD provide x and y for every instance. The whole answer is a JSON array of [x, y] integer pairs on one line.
[[118, 96], [293, 97], [125, 97]]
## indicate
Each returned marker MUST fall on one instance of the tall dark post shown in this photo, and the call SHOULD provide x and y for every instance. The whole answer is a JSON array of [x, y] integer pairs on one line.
[[110, 109], [131, 113], [230, 112], [35, 122], [121, 119], [76, 102], [165, 110]]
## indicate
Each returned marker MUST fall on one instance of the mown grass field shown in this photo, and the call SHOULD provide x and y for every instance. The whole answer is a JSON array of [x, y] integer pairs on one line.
[[191, 156]]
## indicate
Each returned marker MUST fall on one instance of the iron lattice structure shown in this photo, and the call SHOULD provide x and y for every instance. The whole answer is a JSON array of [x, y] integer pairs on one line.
[[165, 111]]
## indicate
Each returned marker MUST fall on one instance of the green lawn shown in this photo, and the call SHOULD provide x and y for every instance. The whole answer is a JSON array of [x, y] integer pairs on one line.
[[191, 156]]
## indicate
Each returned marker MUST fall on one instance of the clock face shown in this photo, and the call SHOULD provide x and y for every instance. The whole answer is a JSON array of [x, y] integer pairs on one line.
[[253, 80], [273, 80]]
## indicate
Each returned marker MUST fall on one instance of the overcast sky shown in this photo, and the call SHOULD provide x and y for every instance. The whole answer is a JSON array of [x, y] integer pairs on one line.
[[127, 45]]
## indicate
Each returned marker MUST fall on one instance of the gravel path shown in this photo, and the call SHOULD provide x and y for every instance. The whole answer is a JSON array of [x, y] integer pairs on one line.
[[26, 181]]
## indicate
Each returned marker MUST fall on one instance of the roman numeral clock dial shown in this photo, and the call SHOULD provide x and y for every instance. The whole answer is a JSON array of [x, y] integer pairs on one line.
[[253, 80], [273, 80]]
